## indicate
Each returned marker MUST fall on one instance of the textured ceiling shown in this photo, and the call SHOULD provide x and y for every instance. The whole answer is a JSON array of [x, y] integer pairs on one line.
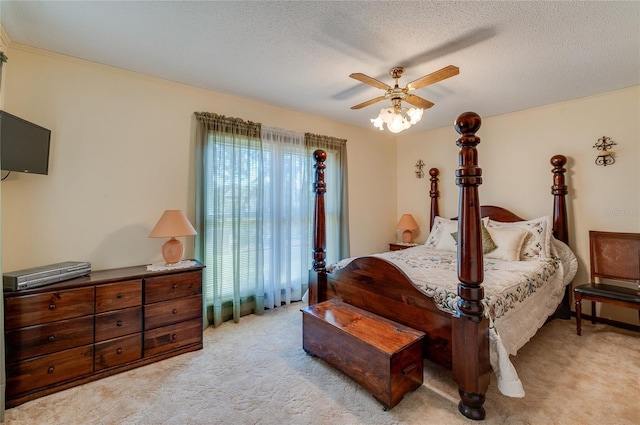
[[299, 54]]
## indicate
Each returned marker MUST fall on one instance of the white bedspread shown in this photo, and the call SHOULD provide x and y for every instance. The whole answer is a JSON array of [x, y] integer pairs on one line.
[[519, 296]]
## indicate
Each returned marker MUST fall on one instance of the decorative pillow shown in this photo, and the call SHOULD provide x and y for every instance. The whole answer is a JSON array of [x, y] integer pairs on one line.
[[441, 236], [488, 244], [537, 243], [509, 241]]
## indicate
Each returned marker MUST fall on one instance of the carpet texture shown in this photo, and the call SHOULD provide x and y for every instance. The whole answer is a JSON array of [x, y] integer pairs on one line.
[[256, 372]]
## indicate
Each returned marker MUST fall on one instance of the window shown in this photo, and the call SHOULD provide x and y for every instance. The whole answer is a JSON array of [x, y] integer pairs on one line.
[[256, 214]]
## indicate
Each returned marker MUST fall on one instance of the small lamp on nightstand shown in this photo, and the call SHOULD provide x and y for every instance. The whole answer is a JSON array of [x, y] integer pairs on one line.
[[407, 223], [172, 224]]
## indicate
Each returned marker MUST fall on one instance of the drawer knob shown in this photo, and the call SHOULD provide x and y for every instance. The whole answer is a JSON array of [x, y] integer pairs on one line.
[[175, 311], [174, 286], [52, 338], [174, 337], [119, 295], [119, 351], [51, 370], [52, 307], [119, 323]]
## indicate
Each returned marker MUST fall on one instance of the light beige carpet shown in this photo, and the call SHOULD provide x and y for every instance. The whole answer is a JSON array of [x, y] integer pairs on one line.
[[256, 372]]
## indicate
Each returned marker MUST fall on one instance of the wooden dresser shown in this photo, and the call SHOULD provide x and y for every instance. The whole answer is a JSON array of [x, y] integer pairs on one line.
[[69, 333]]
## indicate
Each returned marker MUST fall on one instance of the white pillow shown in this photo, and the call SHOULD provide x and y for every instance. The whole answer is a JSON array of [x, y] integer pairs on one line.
[[509, 242], [537, 242], [441, 237]]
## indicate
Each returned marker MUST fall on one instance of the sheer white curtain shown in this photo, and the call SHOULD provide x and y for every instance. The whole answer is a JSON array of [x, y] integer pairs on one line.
[[287, 216]]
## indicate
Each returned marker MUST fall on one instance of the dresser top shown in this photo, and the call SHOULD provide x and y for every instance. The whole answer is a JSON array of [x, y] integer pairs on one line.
[[104, 276]]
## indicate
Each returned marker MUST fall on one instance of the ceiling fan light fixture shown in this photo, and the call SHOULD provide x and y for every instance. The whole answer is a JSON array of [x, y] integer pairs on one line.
[[415, 114], [400, 118], [397, 120], [378, 122]]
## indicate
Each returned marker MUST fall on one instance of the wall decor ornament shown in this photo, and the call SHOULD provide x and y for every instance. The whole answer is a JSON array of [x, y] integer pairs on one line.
[[419, 166], [605, 155]]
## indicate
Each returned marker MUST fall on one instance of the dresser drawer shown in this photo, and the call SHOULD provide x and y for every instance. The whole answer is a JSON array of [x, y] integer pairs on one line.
[[53, 368], [118, 351], [172, 337], [119, 295], [118, 323], [168, 312], [161, 288], [44, 339], [48, 307]]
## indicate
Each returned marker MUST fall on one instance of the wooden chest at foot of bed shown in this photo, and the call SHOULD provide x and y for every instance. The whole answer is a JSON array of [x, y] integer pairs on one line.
[[383, 356]]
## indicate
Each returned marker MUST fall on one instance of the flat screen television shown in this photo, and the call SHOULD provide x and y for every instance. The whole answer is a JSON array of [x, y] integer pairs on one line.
[[24, 146]]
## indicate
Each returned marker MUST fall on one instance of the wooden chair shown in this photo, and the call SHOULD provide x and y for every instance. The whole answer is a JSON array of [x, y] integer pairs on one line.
[[613, 256]]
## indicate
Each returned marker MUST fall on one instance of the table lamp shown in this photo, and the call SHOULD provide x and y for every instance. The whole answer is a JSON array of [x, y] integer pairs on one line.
[[172, 224], [407, 223]]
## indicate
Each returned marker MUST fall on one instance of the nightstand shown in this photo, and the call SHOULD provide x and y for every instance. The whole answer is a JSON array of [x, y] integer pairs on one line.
[[397, 246]]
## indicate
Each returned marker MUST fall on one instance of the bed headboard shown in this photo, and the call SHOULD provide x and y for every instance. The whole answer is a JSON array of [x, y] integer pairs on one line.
[[499, 214], [558, 190]]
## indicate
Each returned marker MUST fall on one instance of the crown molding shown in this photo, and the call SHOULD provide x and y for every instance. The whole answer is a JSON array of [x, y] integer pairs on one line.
[[4, 38]]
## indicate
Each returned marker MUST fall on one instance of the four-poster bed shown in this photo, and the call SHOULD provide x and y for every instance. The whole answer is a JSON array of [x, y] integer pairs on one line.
[[460, 339]]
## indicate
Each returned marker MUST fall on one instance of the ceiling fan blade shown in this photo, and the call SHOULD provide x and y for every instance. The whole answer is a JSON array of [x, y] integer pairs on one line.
[[418, 102], [434, 77], [369, 80], [368, 102]]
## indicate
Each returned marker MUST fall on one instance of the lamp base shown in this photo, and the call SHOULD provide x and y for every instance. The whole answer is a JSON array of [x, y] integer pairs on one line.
[[407, 236], [172, 251]]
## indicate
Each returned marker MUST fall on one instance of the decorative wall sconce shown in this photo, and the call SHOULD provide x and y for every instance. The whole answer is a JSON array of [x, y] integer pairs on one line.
[[419, 172], [605, 157]]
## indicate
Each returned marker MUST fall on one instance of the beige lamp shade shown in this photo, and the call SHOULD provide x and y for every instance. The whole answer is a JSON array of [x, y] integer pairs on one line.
[[173, 223], [407, 223]]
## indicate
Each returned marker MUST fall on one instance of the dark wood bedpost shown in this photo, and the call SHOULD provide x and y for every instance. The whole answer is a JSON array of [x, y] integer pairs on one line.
[[560, 223], [470, 339], [434, 194], [318, 277], [559, 191]]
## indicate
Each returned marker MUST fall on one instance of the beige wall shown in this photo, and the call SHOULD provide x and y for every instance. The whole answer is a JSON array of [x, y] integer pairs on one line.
[[122, 152], [514, 154]]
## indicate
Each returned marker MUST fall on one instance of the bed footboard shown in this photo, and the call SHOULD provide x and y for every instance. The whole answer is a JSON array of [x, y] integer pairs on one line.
[[380, 287]]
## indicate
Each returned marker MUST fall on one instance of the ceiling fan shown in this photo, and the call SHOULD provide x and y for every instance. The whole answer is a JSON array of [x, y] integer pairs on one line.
[[398, 118]]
